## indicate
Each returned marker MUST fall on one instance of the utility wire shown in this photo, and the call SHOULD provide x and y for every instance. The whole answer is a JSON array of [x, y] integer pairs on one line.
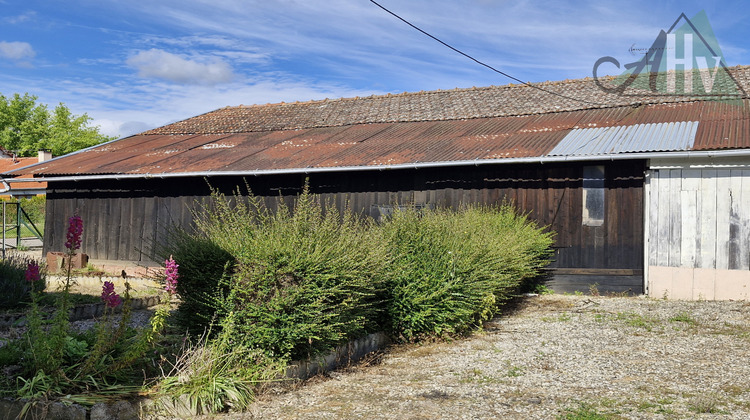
[[479, 62]]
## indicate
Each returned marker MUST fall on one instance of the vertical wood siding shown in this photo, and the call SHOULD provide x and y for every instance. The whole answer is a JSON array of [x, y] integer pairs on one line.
[[700, 218], [123, 218]]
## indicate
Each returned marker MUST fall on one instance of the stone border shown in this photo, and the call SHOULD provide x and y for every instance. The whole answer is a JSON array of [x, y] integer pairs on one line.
[[343, 355], [85, 311]]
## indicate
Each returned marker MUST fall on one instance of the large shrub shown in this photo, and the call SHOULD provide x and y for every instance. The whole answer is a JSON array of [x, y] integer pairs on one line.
[[15, 289], [305, 278], [299, 281], [449, 270], [203, 263]]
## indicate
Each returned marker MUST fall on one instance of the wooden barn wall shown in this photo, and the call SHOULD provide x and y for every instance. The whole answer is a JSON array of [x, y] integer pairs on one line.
[[123, 217]]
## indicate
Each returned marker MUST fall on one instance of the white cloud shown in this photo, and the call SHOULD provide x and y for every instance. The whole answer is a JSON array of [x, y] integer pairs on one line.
[[18, 52], [23, 18], [163, 65]]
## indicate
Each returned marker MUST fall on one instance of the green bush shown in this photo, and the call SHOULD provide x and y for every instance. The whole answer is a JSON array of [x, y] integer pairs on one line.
[[299, 281], [202, 264], [34, 208], [305, 279], [16, 291], [449, 270]]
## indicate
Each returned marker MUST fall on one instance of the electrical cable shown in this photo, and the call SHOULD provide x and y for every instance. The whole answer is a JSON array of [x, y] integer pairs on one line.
[[482, 63]]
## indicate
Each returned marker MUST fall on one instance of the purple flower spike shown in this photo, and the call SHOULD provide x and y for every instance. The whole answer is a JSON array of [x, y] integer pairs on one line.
[[32, 272], [170, 270], [109, 297], [75, 230]]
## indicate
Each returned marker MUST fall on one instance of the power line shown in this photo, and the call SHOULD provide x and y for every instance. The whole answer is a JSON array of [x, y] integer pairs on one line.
[[480, 62]]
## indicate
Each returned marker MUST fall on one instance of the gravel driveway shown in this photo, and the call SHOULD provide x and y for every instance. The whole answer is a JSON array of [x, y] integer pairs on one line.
[[552, 357]]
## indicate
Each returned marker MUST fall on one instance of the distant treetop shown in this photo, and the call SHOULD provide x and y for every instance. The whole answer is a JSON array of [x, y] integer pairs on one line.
[[27, 127]]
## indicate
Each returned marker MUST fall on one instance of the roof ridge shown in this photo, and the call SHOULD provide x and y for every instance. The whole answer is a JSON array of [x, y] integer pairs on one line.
[[441, 104], [419, 93]]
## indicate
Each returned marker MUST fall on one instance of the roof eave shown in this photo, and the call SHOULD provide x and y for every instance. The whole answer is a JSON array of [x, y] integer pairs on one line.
[[689, 154]]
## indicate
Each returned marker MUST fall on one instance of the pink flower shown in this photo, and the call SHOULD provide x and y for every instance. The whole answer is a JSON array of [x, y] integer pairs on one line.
[[109, 297], [32, 272], [75, 230], [170, 270]]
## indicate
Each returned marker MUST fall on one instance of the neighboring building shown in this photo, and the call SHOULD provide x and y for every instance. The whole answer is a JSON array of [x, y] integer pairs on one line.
[[9, 162], [646, 193]]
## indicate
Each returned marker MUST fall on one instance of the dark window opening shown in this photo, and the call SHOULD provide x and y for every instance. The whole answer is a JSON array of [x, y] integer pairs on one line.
[[593, 195]]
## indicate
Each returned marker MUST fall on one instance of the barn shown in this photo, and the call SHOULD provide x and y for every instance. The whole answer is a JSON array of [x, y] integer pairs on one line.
[[647, 193]]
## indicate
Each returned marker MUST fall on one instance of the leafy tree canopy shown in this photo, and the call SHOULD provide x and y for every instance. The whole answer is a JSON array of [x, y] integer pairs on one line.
[[26, 127]]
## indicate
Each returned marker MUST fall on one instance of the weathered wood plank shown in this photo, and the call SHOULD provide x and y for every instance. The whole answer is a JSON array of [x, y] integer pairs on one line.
[[598, 271], [675, 217], [125, 228], [689, 201], [113, 229], [136, 223], [150, 219], [735, 220], [612, 230], [102, 230], [745, 218], [723, 208], [688, 211], [663, 239], [707, 241], [653, 217]]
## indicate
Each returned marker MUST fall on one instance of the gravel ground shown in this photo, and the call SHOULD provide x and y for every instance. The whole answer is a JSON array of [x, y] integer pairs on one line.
[[551, 357]]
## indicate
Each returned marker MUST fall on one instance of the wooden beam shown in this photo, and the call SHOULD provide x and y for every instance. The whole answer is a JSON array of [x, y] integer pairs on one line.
[[597, 271]]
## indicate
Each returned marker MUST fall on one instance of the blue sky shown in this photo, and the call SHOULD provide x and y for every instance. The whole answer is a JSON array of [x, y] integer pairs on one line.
[[138, 64]]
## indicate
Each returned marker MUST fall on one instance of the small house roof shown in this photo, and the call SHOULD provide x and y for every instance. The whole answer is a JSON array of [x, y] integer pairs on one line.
[[12, 163]]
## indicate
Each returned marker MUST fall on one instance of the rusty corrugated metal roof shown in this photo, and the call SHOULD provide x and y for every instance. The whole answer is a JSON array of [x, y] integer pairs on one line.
[[496, 123]]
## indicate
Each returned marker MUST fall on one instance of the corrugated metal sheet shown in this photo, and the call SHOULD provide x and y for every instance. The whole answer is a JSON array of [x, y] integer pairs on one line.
[[660, 137], [356, 145]]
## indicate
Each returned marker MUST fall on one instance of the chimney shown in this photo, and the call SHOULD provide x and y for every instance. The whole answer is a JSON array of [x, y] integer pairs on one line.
[[44, 155]]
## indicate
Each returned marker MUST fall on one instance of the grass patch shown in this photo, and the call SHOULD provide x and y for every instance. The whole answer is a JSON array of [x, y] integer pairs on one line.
[[706, 404], [734, 390], [637, 320], [660, 406], [477, 376], [514, 371], [584, 411], [563, 317], [685, 318]]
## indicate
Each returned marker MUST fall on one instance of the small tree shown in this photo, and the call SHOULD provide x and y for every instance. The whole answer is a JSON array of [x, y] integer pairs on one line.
[[26, 127]]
